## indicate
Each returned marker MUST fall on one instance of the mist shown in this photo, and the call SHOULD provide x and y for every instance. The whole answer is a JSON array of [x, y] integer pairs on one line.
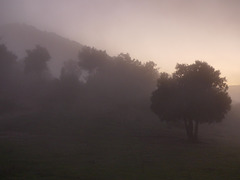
[[119, 89]]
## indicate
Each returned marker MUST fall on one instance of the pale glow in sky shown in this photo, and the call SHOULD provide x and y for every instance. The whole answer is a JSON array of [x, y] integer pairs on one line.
[[164, 31]]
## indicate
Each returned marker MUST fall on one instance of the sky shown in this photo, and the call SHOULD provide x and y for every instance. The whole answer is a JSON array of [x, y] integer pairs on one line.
[[164, 31]]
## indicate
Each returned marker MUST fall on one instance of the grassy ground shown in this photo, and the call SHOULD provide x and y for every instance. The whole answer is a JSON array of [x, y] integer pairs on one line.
[[102, 153]]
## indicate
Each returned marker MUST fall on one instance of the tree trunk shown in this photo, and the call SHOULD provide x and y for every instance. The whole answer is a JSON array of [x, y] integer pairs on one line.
[[191, 130], [196, 131], [186, 128]]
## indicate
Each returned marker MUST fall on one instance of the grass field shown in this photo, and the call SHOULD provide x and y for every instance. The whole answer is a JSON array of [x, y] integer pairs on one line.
[[103, 153]]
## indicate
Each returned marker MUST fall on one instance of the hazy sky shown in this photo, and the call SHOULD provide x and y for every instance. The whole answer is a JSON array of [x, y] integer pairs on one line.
[[164, 31]]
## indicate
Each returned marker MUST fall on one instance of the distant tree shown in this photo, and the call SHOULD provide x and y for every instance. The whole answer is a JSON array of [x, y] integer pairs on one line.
[[116, 84], [70, 87], [37, 79], [193, 94], [70, 71], [36, 62], [91, 58], [7, 80], [7, 61]]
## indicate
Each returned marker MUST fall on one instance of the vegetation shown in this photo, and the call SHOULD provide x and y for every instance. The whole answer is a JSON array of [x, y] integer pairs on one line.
[[36, 62], [193, 94], [107, 156], [95, 121]]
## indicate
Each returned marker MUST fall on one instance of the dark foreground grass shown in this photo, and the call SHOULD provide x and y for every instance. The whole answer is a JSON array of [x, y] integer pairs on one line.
[[108, 155]]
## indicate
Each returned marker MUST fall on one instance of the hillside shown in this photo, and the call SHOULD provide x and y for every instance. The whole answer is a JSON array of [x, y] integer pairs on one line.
[[19, 37], [104, 128]]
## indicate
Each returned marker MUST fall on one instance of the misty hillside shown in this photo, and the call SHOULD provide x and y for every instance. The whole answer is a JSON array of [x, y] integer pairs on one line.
[[67, 128], [119, 90], [20, 37]]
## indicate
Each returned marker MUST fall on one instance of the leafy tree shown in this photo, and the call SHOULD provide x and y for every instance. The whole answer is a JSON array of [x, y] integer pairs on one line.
[[36, 62], [71, 71], [37, 78], [193, 94], [7, 80], [91, 58], [123, 79], [116, 84], [70, 86], [7, 61]]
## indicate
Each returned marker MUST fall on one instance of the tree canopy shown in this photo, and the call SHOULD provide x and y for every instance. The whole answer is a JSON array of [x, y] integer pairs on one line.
[[7, 82], [36, 62], [193, 94]]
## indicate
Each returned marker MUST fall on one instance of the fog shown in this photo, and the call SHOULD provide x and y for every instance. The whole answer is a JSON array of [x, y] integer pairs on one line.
[[74, 106], [166, 32]]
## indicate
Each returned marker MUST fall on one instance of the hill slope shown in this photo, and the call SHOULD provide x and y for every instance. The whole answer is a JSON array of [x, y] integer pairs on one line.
[[20, 37]]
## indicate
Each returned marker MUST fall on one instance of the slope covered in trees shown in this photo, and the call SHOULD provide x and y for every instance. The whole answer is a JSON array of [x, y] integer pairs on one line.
[[94, 120], [20, 37], [95, 86], [82, 82]]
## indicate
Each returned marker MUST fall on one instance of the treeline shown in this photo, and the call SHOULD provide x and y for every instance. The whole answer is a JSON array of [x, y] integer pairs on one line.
[[95, 86]]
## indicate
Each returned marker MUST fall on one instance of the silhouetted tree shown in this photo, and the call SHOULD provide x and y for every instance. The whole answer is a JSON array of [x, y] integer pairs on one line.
[[116, 85], [70, 71], [36, 78], [91, 58], [36, 62], [7, 61], [193, 94], [70, 86], [7, 80]]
